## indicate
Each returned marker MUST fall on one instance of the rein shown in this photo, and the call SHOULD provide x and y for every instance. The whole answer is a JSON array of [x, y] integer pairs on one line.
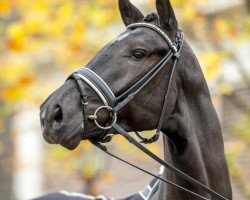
[[114, 105]]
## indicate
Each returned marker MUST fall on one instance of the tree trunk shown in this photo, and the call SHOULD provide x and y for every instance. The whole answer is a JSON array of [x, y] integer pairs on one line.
[[5, 163], [248, 6]]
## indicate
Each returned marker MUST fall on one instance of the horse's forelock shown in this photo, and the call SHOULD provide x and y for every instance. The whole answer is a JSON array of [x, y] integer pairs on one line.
[[151, 17]]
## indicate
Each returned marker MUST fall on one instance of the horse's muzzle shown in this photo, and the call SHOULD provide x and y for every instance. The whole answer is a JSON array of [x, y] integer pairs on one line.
[[61, 117]]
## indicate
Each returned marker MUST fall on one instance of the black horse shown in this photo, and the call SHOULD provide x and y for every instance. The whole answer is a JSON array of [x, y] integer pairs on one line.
[[147, 78]]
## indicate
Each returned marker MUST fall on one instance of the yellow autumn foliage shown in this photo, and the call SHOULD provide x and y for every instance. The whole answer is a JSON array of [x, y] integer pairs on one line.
[[211, 64], [225, 88], [5, 8], [61, 27]]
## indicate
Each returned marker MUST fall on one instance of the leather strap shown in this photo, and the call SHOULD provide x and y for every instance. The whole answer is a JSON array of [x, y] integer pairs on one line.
[[100, 84], [179, 40], [81, 88], [166, 164], [141, 84], [149, 75], [105, 150]]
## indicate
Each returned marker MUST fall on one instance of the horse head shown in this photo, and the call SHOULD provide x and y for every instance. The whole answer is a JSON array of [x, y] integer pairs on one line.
[[120, 64], [146, 78]]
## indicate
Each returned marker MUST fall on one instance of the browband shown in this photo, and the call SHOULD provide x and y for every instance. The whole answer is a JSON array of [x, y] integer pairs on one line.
[[156, 29]]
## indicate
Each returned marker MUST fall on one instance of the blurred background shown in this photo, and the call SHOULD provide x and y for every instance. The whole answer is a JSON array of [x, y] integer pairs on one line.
[[43, 41]]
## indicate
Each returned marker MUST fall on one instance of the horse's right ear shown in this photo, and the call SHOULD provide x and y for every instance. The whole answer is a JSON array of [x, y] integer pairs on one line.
[[166, 15], [129, 13]]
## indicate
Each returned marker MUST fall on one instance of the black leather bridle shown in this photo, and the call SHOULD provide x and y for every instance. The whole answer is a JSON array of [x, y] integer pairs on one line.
[[115, 104]]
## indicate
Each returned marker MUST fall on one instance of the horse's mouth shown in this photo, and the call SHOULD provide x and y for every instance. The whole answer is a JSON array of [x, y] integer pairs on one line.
[[72, 140]]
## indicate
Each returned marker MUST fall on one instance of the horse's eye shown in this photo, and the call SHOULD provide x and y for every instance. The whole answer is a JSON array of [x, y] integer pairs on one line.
[[139, 54]]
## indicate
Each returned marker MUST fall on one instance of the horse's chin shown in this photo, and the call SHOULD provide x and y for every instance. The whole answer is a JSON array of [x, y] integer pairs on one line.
[[70, 145], [71, 142], [70, 139]]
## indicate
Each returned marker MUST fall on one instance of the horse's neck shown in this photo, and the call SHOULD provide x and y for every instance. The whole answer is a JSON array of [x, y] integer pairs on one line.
[[193, 143]]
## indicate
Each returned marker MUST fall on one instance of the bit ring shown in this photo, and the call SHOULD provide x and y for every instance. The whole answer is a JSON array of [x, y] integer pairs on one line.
[[114, 117]]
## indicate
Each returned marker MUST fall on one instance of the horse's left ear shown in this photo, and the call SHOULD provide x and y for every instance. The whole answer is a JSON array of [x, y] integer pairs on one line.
[[130, 14], [166, 15]]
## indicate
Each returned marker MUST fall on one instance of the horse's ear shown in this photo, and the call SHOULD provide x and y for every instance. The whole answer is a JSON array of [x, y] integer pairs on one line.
[[130, 14], [166, 15]]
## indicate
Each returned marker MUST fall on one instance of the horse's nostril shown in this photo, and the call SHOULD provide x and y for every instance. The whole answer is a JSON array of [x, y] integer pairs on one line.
[[58, 115]]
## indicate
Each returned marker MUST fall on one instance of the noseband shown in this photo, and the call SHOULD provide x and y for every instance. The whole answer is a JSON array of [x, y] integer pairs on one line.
[[115, 104]]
